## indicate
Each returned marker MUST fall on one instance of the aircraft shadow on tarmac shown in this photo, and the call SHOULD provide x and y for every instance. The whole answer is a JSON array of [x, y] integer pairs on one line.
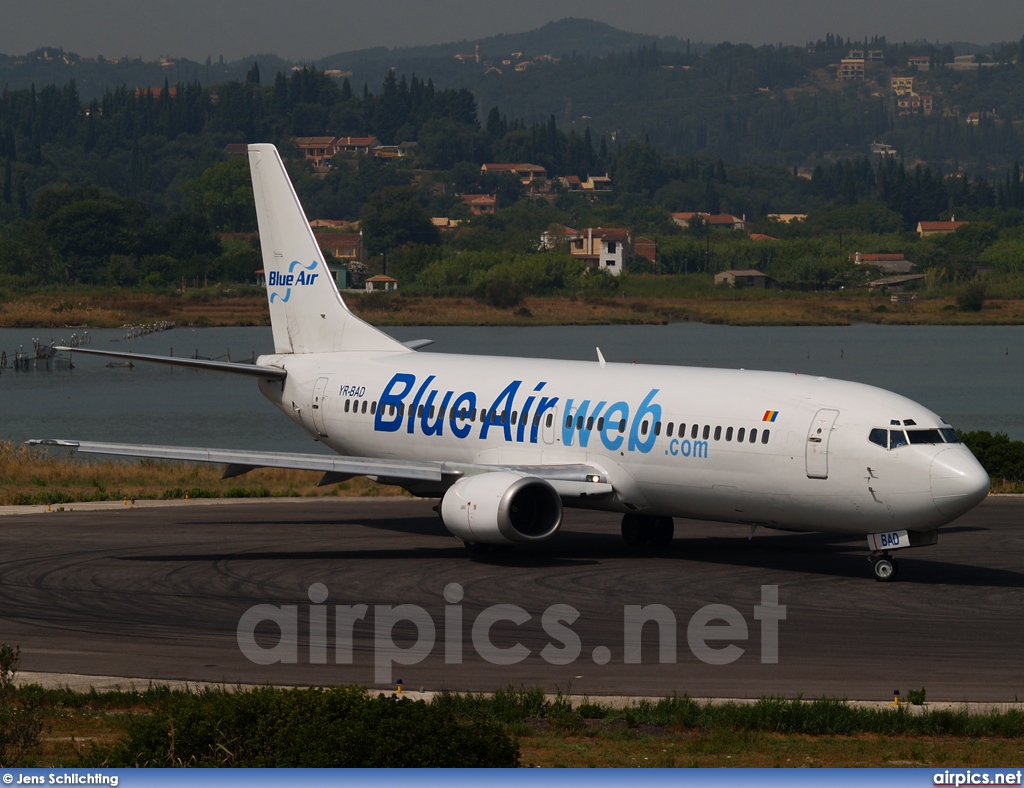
[[807, 554]]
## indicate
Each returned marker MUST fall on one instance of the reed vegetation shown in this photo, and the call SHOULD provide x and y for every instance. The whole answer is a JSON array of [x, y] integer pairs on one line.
[[640, 300], [37, 475]]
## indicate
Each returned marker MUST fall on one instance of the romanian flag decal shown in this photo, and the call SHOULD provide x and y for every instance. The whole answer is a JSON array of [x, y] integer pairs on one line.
[[770, 415]]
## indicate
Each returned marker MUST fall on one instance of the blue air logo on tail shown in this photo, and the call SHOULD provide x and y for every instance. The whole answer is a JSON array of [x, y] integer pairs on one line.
[[290, 280]]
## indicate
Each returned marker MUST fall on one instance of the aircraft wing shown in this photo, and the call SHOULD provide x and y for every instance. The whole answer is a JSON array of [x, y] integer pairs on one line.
[[571, 481], [240, 461]]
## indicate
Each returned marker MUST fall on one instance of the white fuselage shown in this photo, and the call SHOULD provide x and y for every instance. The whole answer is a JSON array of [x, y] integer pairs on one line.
[[782, 450]]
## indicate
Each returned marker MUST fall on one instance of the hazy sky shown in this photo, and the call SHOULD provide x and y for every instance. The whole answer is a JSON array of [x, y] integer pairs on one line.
[[308, 29]]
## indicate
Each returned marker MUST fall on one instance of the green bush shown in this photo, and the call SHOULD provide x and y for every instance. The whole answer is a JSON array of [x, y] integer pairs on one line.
[[310, 728], [500, 293], [20, 722], [971, 297], [1001, 457]]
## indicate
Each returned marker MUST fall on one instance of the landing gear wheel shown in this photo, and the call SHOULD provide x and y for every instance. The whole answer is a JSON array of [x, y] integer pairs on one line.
[[634, 532], [661, 531], [884, 567]]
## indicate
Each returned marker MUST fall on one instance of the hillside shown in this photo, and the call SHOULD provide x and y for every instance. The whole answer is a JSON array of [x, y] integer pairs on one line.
[[772, 104]]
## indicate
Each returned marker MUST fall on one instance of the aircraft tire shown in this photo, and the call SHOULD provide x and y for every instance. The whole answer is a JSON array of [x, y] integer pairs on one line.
[[884, 568], [635, 532], [661, 530]]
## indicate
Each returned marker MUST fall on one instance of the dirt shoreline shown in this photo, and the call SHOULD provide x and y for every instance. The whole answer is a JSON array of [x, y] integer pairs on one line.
[[213, 308]]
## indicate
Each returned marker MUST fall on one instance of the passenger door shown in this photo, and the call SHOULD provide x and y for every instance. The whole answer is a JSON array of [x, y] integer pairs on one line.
[[318, 404]]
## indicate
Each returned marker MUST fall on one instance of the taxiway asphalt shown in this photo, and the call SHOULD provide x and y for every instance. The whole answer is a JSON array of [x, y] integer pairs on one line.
[[159, 593]]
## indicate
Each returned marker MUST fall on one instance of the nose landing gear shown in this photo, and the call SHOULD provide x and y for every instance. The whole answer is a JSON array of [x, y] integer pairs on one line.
[[884, 566]]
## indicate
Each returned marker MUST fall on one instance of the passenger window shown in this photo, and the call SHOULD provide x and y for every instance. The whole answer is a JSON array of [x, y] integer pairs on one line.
[[568, 421], [550, 419], [897, 439], [579, 422], [536, 419], [373, 408], [879, 437], [600, 424], [740, 434], [668, 432], [431, 411], [515, 416], [657, 428], [643, 428], [693, 431], [707, 431], [622, 426], [764, 436], [753, 436], [590, 423], [718, 433], [728, 434], [347, 403], [364, 406]]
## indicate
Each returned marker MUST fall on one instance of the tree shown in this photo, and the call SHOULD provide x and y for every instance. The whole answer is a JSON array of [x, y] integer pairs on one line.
[[223, 194], [192, 243], [394, 217], [87, 231]]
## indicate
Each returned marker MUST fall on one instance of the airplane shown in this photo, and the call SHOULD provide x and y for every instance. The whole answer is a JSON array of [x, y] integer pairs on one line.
[[506, 443]]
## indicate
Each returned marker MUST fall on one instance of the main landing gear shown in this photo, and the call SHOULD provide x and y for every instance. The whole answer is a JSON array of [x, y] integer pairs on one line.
[[639, 530], [884, 567]]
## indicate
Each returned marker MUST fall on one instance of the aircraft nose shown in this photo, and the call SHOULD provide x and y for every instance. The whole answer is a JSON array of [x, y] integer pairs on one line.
[[958, 481]]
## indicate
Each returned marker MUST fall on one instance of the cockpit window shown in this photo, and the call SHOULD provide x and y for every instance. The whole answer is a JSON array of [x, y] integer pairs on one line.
[[894, 439], [924, 436]]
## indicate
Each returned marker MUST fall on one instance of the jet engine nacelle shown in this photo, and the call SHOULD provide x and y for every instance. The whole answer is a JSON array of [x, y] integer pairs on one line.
[[502, 508]]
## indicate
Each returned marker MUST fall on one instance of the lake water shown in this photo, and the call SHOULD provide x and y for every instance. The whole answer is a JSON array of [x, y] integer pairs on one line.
[[973, 376]]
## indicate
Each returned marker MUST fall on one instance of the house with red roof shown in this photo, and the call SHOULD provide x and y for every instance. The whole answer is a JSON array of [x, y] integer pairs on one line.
[[924, 229], [604, 248]]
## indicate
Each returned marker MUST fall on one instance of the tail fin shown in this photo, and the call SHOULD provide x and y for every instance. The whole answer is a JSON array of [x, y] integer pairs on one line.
[[306, 310]]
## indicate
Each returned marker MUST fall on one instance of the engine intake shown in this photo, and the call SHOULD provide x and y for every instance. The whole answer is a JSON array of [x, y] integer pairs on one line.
[[502, 508]]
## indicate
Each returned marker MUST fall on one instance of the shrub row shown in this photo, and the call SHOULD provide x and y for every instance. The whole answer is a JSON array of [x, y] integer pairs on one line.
[[309, 728]]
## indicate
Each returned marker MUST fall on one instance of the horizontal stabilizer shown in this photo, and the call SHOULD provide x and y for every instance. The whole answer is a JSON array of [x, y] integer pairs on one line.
[[252, 370]]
